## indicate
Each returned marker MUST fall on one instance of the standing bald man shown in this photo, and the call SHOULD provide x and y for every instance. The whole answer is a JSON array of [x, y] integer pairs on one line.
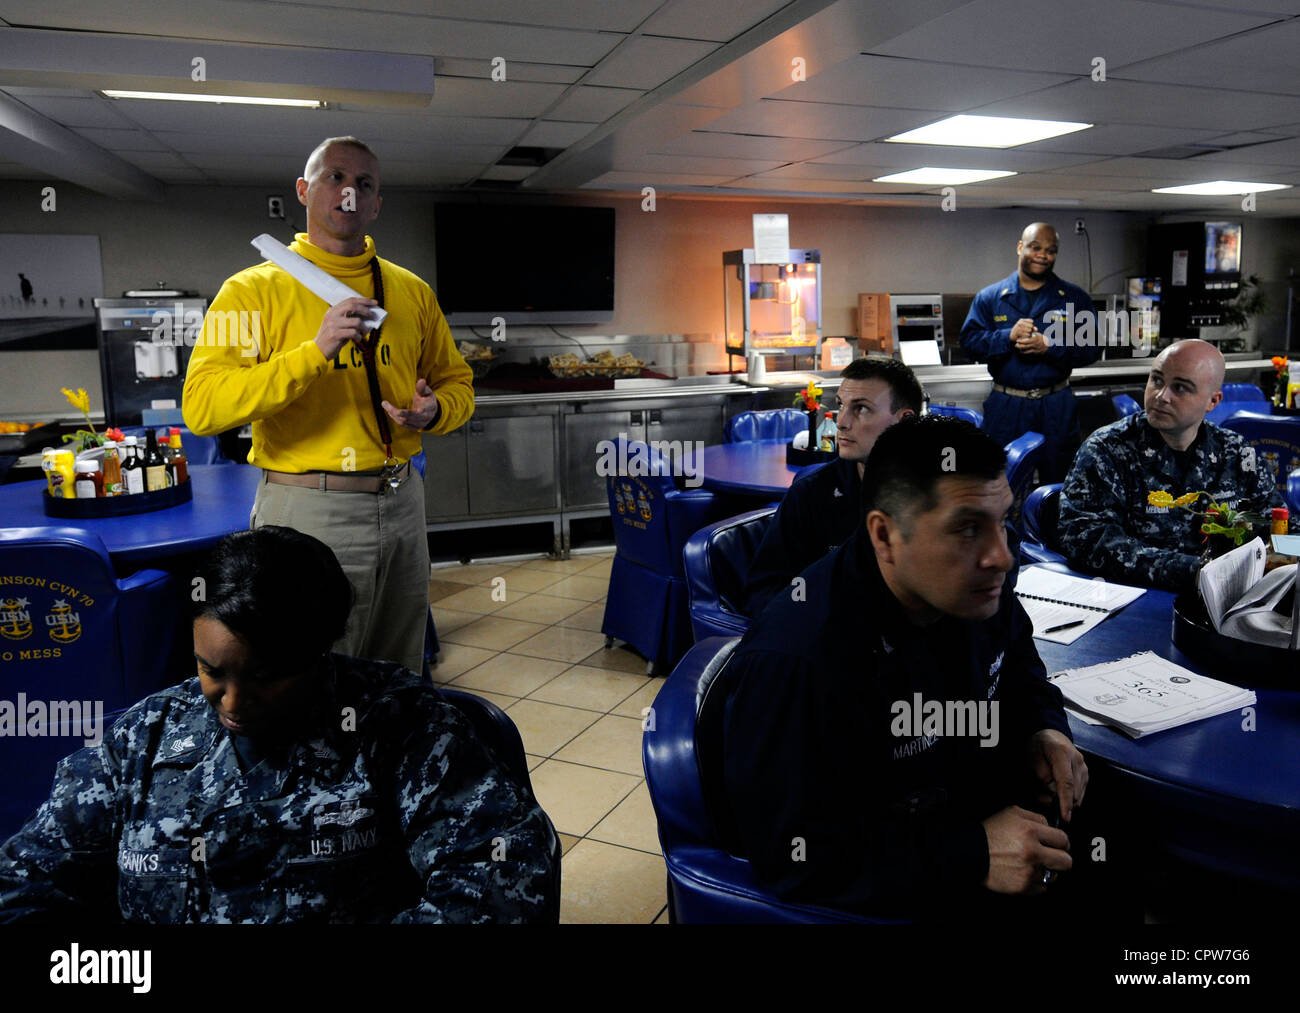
[[1106, 525], [1006, 329]]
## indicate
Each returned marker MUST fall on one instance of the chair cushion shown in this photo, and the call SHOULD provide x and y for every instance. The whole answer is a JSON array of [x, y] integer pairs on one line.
[[712, 691], [731, 550]]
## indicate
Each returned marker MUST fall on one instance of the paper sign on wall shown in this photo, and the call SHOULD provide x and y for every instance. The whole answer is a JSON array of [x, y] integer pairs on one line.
[[772, 239], [1179, 273]]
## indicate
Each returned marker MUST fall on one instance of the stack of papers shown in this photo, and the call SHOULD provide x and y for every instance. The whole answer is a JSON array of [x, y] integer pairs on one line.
[[1245, 603], [1146, 693], [1063, 608]]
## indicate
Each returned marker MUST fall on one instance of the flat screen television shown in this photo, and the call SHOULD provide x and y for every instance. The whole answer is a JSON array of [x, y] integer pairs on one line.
[[528, 264], [1222, 247]]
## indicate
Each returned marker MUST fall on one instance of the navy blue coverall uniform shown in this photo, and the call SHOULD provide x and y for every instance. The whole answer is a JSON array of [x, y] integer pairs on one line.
[[986, 335]]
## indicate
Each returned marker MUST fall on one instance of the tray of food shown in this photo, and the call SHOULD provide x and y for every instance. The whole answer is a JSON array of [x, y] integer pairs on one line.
[[602, 364], [20, 437], [479, 357]]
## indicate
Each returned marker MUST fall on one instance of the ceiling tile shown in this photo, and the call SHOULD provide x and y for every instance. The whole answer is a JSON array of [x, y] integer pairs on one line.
[[1263, 60], [78, 112], [508, 172], [786, 149], [915, 155], [121, 140], [717, 20], [814, 186], [1276, 153], [1168, 169], [464, 96], [914, 84], [592, 105], [819, 120], [636, 180], [646, 62], [1119, 139], [994, 33], [516, 70], [555, 134], [693, 164], [601, 15]]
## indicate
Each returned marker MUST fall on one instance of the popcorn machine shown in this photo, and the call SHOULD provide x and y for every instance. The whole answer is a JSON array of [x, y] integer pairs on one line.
[[773, 308]]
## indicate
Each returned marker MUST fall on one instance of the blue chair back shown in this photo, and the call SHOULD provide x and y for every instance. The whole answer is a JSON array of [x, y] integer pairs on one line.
[[1042, 506], [717, 560], [778, 424], [1225, 410], [1276, 439], [198, 449], [1243, 392], [706, 884], [1125, 405], [78, 643], [1024, 456], [969, 414]]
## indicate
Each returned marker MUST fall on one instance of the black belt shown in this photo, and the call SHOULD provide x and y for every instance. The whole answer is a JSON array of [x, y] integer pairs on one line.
[[1034, 393]]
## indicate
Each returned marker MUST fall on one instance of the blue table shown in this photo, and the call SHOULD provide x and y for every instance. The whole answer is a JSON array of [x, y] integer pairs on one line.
[[223, 499], [755, 469], [1214, 794]]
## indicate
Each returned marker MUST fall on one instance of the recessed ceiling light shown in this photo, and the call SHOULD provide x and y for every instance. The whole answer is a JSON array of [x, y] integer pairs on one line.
[[940, 177], [987, 131], [1222, 188], [172, 96]]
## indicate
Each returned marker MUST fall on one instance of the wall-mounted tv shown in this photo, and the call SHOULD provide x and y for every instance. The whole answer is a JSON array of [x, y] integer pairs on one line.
[[530, 264]]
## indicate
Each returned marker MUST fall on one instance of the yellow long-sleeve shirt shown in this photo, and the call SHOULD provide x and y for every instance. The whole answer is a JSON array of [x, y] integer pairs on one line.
[[257, 361]]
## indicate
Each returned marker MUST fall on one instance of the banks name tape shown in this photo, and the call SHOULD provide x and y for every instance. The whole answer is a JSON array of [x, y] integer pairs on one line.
[[324, 285]]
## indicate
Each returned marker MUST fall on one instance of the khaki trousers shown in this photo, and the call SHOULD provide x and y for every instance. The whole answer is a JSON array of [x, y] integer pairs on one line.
[[380, 541]]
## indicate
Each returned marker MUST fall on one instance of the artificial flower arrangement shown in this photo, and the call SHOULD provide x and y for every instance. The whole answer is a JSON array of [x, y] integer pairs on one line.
[[1216, 520], [808, 398], [1283, 370], [87, 439]]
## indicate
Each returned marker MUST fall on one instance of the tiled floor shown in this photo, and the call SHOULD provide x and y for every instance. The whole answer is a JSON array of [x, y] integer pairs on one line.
[[526, 635]]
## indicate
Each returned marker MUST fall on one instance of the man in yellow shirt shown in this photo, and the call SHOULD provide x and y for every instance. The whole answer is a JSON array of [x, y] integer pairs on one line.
[[334, 447]]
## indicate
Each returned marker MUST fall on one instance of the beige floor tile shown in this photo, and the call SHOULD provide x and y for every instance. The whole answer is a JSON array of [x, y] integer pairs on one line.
[[534, 762], [510, 674], [634, 706], [440, 589], [500, 699], [663, 916], [473, 573], [589, 618], [619, 658], [446, 620], [456, 659], [567, 841], [540, 608], [522, 581], [563, 567], [546, 727], [493, 632], [472, 599], [596, 689], [600, 568], [576, 798], [560, 644], [612, 743], [605, 884], [632, 824], [583, 588]]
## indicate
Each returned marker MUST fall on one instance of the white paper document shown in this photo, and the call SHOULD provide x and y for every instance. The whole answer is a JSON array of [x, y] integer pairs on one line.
[[324, 285], [1223, 581], [771, 239], [1146, 693], [1063, 607]]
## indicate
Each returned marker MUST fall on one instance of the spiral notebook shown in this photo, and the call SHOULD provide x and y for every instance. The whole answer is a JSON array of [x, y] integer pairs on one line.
[[1063, 607]]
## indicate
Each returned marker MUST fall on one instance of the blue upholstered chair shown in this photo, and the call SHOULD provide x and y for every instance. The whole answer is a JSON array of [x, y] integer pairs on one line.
[[198, 449], [1243, 392], [1041, 508], [779, 424], [1125, 405], [717, 561], [1024, 455], [1276, 439], [647, 601], [969, 414], [1225, 410], [72, 631], [682, 752], [1293, 491]]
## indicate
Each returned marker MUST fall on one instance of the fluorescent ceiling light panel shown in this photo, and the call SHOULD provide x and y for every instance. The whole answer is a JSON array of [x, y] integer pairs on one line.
[[1222, 188], [987, 131], [941, 177], [173, 96]]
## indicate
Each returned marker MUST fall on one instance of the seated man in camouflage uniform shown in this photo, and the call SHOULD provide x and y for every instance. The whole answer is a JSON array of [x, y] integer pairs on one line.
[[1106, 525], [307, 787]]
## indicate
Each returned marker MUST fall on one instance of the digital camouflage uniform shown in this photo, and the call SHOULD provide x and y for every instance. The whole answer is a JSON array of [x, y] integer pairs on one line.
[[1107, 527], [407, 819]]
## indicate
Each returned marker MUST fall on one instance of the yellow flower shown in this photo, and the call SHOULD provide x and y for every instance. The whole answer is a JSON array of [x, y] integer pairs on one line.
[[1160, 498], [814, 390], [1187, 499], [80, 400]]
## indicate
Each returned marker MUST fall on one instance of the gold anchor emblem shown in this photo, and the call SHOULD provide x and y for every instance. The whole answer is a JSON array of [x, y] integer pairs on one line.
[[644, 505], [65, 625], [15, 620]]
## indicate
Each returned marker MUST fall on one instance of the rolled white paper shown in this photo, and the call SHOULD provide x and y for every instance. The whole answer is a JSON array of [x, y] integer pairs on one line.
[[324, 285]]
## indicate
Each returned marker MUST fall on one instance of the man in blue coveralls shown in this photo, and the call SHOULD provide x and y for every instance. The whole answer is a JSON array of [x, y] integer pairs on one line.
[[1005, 329]]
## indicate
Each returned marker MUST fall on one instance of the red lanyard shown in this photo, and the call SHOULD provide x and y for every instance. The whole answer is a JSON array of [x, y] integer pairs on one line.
[[368, 347]]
